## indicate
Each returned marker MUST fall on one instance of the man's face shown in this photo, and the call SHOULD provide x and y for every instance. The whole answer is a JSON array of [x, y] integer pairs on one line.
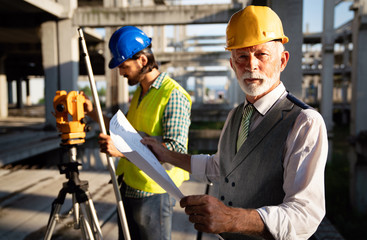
[[131, 69], [258, 67]]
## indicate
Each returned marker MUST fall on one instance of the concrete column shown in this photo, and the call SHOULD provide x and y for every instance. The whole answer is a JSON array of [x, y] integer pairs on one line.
[[50, 65], [319, 88], [290, 12], [117, 92], [232, 84], [3, 90], [346, 64], [68, 45], [359, 70], [10, 92], [327, 71], [28, 93], [19, 93], [305, 85], [199, 90], [358, 156], [159, 39], [117, 96], [179, 37]]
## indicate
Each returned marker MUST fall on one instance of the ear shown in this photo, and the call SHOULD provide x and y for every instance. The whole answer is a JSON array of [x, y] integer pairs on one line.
[[143, 59], [284, 60], [230, 61]]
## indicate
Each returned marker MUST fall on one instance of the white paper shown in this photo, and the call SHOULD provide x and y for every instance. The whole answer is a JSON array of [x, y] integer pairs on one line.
[[127, 141]]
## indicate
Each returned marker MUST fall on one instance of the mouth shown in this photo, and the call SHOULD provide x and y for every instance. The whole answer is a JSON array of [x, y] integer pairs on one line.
[[252, 80]]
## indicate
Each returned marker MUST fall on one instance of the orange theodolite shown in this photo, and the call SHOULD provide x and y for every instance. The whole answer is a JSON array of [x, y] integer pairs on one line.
[[72, 127]]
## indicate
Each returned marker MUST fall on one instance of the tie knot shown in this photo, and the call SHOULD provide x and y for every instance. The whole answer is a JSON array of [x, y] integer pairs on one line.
[[248, 110]]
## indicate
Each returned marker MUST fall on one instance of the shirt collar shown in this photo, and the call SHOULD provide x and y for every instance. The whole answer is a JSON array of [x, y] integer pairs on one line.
[[266, 102], [158, 82]]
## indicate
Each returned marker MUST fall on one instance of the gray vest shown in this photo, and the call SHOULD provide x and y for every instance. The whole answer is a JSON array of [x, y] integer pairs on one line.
[[253, 177]]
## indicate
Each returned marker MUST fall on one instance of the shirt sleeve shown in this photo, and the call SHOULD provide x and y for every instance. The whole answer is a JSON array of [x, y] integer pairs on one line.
[[176, 122], [303, 206]]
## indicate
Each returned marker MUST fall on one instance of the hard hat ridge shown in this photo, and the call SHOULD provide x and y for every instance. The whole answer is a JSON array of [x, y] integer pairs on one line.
[[253, 25], [125, 43]]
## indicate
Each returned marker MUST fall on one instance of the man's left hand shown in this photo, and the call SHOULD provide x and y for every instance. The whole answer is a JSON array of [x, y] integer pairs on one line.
[[207, 213]]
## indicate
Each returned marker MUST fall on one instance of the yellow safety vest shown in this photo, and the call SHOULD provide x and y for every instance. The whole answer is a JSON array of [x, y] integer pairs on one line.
[[148, 117]]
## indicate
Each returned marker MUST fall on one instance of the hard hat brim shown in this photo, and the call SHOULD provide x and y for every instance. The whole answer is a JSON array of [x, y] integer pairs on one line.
[[114, 63], [284, 39]]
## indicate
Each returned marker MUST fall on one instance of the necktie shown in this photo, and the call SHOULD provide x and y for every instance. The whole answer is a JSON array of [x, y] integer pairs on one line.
[[245, 123]]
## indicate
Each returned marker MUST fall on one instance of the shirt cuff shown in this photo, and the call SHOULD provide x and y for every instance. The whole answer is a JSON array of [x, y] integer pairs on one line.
[[279, 225], [198, 166]]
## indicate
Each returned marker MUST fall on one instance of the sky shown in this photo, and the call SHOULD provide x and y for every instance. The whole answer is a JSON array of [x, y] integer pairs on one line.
[[313, 11], [312, 19]]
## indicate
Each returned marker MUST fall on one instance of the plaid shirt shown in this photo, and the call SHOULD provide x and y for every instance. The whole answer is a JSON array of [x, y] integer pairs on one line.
[[176, 123]]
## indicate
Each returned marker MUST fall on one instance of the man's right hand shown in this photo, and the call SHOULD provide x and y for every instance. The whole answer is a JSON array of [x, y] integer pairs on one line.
[[156, 147], [164, 155], [88, 105], [106, 146]]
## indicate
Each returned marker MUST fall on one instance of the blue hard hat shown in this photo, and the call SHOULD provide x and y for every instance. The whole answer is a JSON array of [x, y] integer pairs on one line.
[[125, 43]]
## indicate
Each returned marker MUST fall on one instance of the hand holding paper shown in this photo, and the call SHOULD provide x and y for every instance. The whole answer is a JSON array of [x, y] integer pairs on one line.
[[127, 141]]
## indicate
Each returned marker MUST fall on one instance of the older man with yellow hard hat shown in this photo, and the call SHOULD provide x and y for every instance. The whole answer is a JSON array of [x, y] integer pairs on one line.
[[269, 168]]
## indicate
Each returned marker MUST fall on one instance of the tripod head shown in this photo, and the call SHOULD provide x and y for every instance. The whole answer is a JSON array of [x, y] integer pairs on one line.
[[70, 120]]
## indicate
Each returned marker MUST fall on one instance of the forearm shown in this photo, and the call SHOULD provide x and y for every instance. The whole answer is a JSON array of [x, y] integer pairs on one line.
[[209, 214], [248, 222], [181, 160], [176, 122]]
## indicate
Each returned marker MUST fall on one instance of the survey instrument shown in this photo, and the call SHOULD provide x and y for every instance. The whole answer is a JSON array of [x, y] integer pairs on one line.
[[71, 123]]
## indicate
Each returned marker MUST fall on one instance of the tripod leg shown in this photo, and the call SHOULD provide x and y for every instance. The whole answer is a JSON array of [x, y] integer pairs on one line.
[[52, 223], [85, 222], [94, 219], [76, 212]]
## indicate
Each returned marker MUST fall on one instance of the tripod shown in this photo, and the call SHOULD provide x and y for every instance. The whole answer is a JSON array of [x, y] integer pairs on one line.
[[86, 219]]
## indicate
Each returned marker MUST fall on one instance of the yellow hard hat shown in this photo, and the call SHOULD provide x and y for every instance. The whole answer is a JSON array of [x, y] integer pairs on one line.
[[254, 25]]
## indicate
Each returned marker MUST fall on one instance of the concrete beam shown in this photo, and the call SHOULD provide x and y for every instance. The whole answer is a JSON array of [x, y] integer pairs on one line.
[[51, 7], [201, 74], [204, 57], [154, 15]]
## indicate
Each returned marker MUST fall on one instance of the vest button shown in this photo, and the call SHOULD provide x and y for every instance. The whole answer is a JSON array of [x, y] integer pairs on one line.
[[233, 184], [222, 198], [226, 180], [230, 203]]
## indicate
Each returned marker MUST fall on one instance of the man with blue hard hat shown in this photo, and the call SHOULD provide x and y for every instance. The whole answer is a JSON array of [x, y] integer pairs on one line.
[[160, 108]]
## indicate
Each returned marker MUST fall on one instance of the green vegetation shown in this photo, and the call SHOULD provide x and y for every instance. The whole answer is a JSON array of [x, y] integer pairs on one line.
[[86, 91], [339, 210], [41, 101], [206, 125], [101, 93]]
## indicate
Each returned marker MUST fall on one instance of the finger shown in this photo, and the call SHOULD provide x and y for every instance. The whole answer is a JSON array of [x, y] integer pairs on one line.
[[103, 136], [195, 218], [148, 141], [192, 200]]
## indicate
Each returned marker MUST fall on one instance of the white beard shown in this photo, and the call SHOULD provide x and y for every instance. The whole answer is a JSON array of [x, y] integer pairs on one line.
[[256, 89]]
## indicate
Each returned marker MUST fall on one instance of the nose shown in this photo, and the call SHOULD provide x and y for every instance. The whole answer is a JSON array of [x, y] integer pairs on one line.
[[252, 64], [121, 71]]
